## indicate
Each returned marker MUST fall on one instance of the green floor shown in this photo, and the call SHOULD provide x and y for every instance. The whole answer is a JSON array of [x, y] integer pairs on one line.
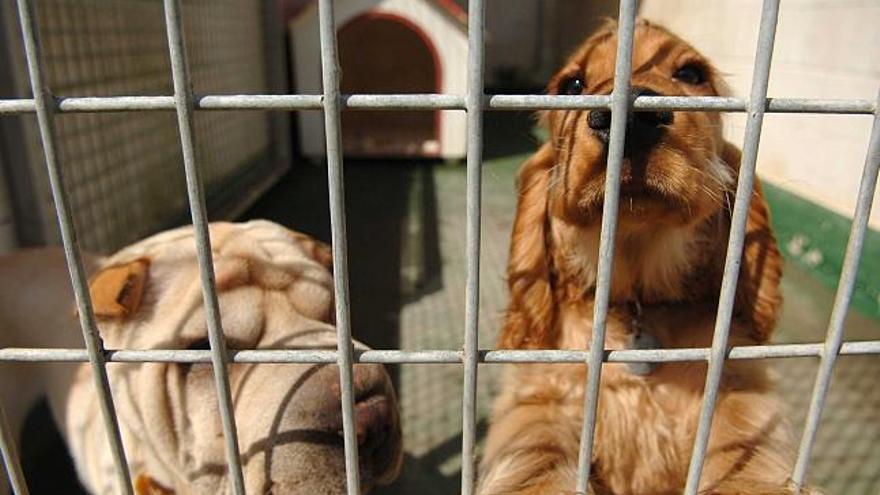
[[406, 224]]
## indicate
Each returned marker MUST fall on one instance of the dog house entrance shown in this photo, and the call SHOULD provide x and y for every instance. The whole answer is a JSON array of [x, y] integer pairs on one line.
[[378, 54]]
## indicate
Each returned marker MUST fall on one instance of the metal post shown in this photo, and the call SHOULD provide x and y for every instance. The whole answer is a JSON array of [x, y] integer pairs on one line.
[[382, 102], [474, 101], [434, 356], [183, 102], [746, 182], [620, 101], [45, 109], [333, 132], [834, 339]]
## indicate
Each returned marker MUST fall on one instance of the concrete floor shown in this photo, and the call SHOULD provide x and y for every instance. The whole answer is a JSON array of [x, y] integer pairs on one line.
[[406, 226]]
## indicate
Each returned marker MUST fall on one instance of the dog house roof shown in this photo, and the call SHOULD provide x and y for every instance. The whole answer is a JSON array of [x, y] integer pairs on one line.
[[293, 8]]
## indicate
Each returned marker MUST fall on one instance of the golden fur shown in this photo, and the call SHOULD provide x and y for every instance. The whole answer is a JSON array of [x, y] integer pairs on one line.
[[673, 225]]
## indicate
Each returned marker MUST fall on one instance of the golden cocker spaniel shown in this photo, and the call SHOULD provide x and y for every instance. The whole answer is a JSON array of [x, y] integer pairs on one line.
[[678, 181]]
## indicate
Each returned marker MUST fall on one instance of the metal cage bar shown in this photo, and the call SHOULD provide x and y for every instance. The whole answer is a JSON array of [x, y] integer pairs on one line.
[[46, 121], [10, 456], [834, 339], [620, 104], [87, 104], [330, 72], [183, 102], [475, 68], [435, 356], [744, 187]]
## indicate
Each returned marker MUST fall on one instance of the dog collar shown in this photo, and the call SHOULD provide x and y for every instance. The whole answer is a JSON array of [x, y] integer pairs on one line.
[[639, 338]]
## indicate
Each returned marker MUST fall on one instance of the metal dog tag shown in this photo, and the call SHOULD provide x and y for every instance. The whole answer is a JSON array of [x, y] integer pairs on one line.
[[642, 340]]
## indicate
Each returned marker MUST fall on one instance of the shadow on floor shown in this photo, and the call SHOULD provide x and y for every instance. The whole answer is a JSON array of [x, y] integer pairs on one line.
[[424, 474], [391, 222], [509, 134], [45, 447]]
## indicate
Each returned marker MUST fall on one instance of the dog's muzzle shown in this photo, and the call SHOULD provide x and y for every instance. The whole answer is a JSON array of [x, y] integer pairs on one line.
[[643, 129], [376, 420]]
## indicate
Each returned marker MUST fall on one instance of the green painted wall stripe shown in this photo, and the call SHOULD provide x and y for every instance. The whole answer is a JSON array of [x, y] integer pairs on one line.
[[815, 238]]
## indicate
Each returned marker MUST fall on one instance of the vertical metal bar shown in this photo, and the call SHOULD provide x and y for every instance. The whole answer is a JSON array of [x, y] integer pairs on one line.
[[183, 102], [620, 103], [745, 185], [474, 104], [834, 339], [45, 109], [333, 132], [10, 456]]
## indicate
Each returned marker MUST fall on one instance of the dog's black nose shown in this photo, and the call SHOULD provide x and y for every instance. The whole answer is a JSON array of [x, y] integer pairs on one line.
[[641, 126], [650, 118], [599, 120]]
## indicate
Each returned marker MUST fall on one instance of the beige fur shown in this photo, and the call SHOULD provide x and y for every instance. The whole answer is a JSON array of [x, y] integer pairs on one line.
[[275, 292]]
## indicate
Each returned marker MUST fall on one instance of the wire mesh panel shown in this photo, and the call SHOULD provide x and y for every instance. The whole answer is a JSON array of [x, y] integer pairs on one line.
[[104, 87], [123, 169]]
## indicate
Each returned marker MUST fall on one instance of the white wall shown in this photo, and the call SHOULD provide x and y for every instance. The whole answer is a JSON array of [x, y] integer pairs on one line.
[[448, 39], [534, 37], [824, 49], [512, 38]]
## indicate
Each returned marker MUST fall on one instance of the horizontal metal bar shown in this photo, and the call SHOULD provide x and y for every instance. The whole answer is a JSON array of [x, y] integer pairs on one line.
[[439, 102], [807, 105], [546, 102], [260, 102], [24, 105], [114, 104], [435, 356], [403, 102], [678, 355], [695, 103]]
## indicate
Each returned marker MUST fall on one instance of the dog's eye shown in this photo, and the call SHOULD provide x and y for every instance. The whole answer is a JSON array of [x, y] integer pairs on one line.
[[571, 86], [692, 73]]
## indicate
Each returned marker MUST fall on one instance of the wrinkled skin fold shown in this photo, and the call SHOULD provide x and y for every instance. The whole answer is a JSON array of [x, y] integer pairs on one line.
[[275, 291]]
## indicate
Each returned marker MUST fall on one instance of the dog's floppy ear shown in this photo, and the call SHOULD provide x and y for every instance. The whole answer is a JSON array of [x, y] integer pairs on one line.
[[529, 319], [315, 249], [758, 295], [117, 290]]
